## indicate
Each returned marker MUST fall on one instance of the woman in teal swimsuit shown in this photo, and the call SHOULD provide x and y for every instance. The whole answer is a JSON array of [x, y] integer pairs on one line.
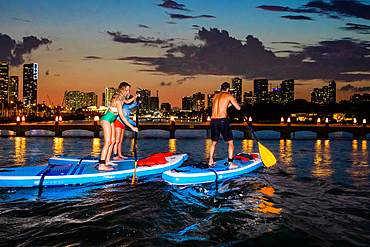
[[106, 122]]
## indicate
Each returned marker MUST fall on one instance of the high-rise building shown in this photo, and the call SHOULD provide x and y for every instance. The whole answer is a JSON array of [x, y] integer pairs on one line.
[[13, 88], [166, 107], [144, 98], [91, 99], [249, 98], [210, 100], [360, 98], [324, 95], [187, 103], [109, 91], [236, 84], [332, 91], [276, 96], [287, 91], [198, 101], [154, 103], [30, 76], [103, 99], [261, 90], [4, 81], [74, 99]]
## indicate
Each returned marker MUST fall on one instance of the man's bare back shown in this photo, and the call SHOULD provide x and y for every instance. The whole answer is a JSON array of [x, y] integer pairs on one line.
[[221, 102]]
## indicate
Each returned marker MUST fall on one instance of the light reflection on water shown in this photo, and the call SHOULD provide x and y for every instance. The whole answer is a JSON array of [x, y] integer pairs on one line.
[[20, 149], [247, 146], [359, 170], [96, 147], [172, 145], [322, 162], [285, 150], [58, 146]]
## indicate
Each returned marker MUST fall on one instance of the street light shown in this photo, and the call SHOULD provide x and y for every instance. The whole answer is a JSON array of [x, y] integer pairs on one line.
[[318, 120], [288, 120], [364, 121], [96, 118], [326, 120], [23, 118], [282, 120], [250, 119], [354, 121], [18, 119]]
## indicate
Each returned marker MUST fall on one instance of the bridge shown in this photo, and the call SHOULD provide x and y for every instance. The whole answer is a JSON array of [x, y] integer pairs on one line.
[[285, 130]]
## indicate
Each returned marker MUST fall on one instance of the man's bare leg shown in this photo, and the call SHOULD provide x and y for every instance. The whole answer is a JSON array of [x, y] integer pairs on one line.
[[231, 154], [211, 153]]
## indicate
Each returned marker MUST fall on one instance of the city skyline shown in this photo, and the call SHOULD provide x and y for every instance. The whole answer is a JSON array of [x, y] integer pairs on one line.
[[179, 47]]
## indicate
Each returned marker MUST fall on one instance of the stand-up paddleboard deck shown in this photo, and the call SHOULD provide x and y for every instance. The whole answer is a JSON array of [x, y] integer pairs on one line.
[[80, 173], [220, 171], [70, 159]]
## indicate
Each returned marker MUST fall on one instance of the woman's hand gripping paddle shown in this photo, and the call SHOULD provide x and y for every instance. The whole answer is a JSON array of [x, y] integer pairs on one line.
[[267, 157]]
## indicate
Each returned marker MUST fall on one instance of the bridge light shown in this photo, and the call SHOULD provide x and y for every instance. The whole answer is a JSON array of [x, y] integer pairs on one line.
[[282, 120], [250, 119], [326, 120], [354, 121], [60, 118], [18, 119], [208, 118], [288, 120], [23, 118], [172, 118], [318, 120], [364, 121], [96, 118], [56, 119]]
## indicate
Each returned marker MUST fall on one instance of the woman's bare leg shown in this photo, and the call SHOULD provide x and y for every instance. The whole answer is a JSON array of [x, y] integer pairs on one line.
[[107, 131], [116, 148], [113, 140]]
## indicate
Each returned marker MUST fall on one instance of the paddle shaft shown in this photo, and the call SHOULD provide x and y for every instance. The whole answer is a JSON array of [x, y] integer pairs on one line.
[[250, 126], [135, 141]]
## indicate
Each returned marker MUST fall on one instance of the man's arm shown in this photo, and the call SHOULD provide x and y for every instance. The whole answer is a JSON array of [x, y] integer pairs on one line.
[[234, 103]]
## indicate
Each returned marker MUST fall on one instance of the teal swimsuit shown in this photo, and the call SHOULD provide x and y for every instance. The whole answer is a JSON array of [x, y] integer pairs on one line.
[[109, 116]]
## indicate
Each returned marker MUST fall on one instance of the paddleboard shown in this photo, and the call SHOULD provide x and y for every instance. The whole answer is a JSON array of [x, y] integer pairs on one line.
[[80, 173], [193, 175], [70, 159]]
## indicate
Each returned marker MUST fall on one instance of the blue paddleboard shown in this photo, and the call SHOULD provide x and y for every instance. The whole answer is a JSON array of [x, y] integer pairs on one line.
[[70, 159], [192, 175], [80, 173]]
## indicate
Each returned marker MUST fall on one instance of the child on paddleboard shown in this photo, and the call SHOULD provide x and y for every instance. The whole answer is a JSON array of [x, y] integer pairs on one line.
[[120, 127]]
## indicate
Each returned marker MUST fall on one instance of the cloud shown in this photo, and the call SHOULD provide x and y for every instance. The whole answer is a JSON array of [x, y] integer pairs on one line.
[[165, 84], [297, 17], [143, 26], [171, 22], [91, 58], [332, 9], [286, 42], [181, 17], [181, 81], [221, 54], [12, 51], [350, 88], [172, 5], [19, 19], [363, 29], [124, 38]]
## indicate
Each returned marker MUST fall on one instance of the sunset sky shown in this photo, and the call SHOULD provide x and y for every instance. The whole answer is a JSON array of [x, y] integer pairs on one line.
[[186, 46]]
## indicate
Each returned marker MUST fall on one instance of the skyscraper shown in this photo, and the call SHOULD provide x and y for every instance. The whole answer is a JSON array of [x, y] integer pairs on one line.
[[144, 98], [109, 91], [91, 99], [198, 101], [187, 103], [13, 88], [332, 91], [74, 99], [287, 91], [30, 75], [4, 81], [236, 84], [261, 90]]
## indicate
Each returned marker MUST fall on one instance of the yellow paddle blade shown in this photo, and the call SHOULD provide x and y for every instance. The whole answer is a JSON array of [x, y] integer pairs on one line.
[[267, 157]]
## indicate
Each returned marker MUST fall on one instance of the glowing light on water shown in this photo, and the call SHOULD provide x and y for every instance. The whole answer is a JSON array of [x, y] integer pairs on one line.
[[96, 147], [322, 162], [172, 145], [20, 150], [58, 146]]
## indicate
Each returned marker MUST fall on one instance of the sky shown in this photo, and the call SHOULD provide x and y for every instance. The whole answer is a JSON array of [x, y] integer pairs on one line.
[[178, 48]]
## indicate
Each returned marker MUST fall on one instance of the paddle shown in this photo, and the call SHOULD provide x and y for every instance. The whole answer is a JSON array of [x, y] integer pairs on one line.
[[267, 157], [135, 141]]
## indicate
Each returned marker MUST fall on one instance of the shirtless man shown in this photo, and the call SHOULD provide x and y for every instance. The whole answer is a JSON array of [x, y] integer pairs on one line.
[[220, 124]]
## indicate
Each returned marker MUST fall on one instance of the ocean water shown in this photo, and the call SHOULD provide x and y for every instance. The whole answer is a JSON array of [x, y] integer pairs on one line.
[[316, 195]]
